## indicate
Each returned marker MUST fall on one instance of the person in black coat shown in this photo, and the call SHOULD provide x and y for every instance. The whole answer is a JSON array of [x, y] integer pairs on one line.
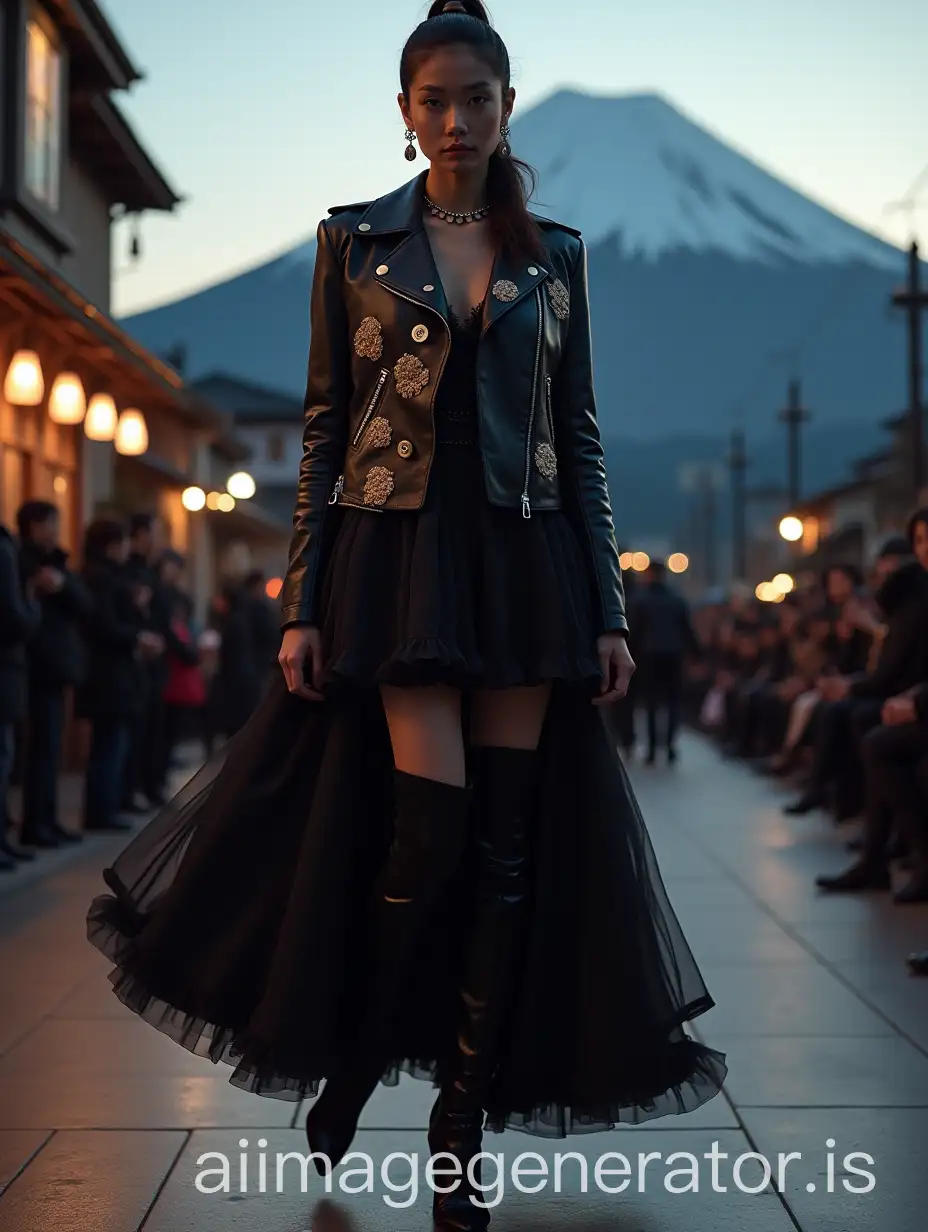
[[662, 635], [57, 661], [144, 759], [120, 646], [19, 617]]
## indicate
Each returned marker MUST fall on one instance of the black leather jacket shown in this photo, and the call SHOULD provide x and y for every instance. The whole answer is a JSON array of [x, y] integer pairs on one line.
[[380, 339]]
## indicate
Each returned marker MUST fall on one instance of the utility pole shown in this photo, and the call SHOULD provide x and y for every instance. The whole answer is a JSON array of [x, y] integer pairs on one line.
[[737, 465], [794, 416], [914, 300], [707, 484]]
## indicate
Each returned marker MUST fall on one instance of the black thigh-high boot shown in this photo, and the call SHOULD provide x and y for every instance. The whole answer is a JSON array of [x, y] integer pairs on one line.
[[429, 830], [502, 781]]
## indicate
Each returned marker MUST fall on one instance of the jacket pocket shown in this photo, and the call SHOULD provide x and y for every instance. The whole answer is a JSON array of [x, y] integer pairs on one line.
[[373, 402]]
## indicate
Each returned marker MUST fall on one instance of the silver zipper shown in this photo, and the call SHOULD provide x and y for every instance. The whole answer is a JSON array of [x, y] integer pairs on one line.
[[526, 504], [371, 406], [549, 407], [337, 490]]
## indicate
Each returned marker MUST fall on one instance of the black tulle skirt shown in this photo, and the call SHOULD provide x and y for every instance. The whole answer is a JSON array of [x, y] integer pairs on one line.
[[238, 919]]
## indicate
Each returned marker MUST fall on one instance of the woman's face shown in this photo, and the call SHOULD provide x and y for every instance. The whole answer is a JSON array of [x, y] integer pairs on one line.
[[456, 107], [920, 543], [118, 551]]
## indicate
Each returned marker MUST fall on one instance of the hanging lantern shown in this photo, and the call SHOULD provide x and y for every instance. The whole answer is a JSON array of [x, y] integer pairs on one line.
[[226, 503], [24, 384], [67, 403], [100, 420], [131, 434]]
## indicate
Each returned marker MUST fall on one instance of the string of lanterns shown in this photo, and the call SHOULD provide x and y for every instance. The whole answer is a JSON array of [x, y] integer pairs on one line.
[[24, 385]]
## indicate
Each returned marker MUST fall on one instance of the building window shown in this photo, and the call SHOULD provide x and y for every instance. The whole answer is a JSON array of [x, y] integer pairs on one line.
[[276, 447], [43, 115]]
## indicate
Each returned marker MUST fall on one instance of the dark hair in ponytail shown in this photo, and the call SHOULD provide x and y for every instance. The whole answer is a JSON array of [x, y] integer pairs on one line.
[[510, 182]]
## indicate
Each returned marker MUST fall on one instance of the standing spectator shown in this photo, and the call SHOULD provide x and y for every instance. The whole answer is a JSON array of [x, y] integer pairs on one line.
[[185, 691], [146, 531], [57, 661], [19, 617], [662, 636], [265, 622], [121, 647]]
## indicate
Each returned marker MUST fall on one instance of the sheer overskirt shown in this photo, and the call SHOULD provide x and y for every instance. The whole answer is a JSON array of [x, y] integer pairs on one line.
[[237, 925]]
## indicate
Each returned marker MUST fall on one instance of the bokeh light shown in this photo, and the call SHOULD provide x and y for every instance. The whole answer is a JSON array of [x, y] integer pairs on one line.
[[791, 529]]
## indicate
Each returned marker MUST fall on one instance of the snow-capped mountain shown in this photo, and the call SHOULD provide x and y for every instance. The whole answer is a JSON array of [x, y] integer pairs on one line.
[[634, 168], [709, 278]]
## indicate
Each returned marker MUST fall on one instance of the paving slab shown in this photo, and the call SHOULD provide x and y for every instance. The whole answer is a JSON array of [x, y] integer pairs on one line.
[[582, 1205], [891, 1198], [91, 1182], [17, 1148]]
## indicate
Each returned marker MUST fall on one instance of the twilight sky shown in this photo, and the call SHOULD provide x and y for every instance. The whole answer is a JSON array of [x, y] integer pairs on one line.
[[265, 112]]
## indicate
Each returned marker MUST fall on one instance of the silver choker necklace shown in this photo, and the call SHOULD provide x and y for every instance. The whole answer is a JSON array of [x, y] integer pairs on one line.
[[452, 217]]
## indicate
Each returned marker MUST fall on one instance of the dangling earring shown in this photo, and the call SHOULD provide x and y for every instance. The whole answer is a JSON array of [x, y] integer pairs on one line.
[[505, 149], [410, 149]]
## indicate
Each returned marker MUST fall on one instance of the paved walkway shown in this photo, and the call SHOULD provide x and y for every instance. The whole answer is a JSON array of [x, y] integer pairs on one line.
[[102, 1120]]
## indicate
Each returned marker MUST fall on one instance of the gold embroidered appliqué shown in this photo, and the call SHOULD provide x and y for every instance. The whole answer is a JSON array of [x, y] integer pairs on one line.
[[368, 339], [379, 433], [560, 299], [378, 485], [505, 290], [411, 376], [546, 460]]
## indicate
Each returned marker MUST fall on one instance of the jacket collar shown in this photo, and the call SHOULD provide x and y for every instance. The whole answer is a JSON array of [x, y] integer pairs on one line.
[[410, 266]]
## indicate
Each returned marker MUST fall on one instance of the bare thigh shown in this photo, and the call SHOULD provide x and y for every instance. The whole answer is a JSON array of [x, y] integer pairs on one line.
[[512, 718], [425, 731]]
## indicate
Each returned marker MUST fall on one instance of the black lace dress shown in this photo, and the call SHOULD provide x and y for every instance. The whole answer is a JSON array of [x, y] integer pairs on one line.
[[238, 919], [462, 591]]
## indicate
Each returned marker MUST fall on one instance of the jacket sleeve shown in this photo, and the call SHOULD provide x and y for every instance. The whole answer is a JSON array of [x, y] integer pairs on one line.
[[107, 627], [325, 410], [584, 485]]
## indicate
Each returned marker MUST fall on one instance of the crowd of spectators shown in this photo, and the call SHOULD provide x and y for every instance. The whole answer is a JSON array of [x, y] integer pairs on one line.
[[828, 690], [107, 656]]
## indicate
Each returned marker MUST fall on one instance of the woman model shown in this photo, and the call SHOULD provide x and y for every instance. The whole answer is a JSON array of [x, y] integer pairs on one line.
[[421, 853]]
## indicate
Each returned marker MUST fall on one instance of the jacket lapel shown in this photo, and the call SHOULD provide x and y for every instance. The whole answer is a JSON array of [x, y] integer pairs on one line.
[[510, 283], [410, 267]]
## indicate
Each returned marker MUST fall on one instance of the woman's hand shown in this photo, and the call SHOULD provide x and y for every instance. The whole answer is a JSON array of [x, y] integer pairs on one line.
[[302, 648], [617, 668]]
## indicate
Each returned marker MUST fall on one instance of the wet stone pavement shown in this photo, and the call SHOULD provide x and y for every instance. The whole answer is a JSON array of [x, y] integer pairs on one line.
[[103, 1120]]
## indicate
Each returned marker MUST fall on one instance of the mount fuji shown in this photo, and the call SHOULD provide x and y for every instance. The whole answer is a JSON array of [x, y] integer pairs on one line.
[[711, 281]]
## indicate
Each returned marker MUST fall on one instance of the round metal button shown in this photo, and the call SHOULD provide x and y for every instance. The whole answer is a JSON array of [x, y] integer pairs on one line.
[[364, 226], [404, 449], [420, 333], [383, 269], [428, 287], [533, 270]]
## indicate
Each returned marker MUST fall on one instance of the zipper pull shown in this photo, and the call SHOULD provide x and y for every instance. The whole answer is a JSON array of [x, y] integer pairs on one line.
[[526, 507], [337, 490]]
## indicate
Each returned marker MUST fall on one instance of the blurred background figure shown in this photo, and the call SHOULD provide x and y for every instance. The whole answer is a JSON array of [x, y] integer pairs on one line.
[[57, 660], [19, 616], [661, 636], [146, 741], [122, 647]]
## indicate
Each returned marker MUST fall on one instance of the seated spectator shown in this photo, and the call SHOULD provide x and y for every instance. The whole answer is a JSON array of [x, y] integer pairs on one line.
[[880, 708], [854, 702]]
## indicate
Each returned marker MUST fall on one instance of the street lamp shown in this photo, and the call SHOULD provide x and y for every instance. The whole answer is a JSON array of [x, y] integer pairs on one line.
[[193, 499], [791, 529], [241, 486], [131, 438]]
